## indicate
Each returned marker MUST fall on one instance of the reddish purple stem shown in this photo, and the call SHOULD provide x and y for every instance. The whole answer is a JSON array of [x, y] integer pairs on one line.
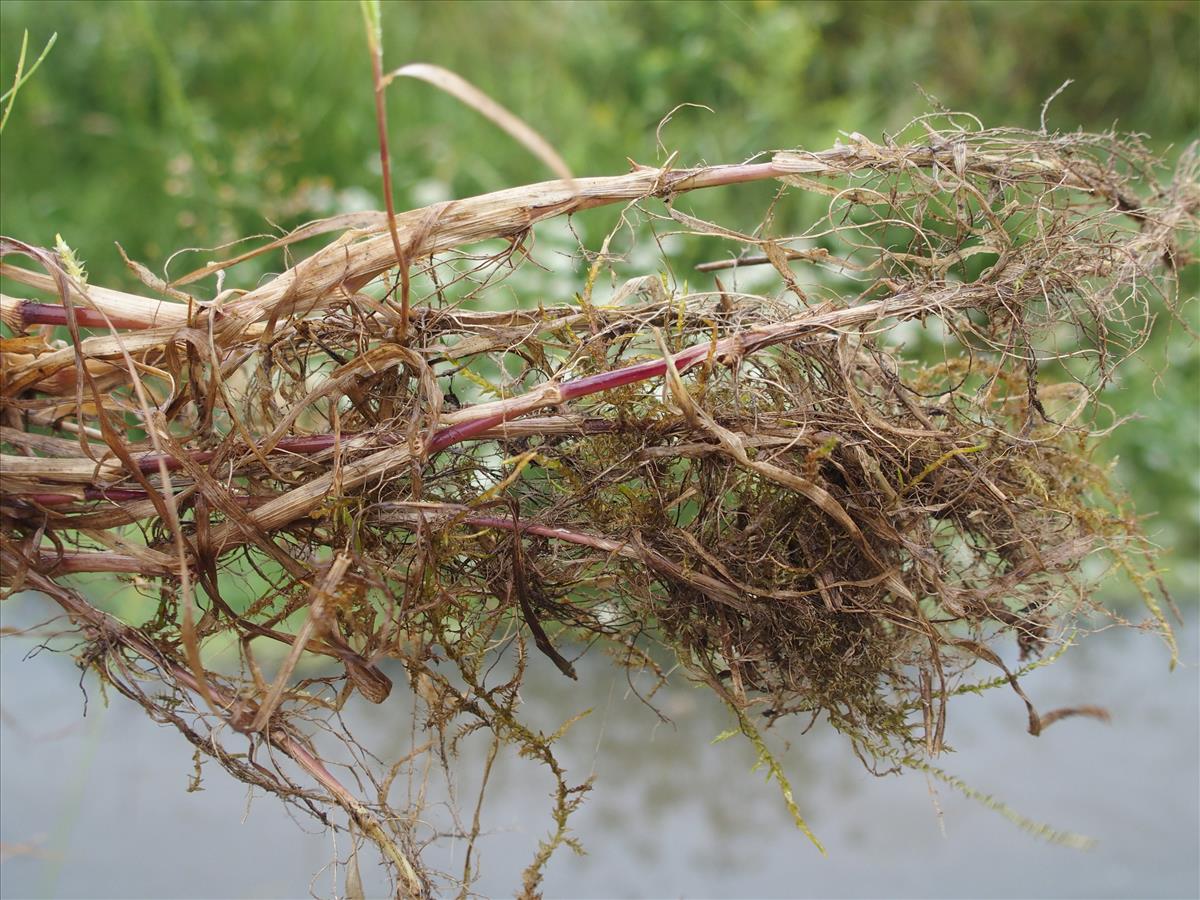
[[580, 387], [313, 443], [52, 314], [443, 438]]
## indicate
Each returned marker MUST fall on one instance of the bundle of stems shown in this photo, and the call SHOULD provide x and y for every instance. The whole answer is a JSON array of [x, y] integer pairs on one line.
[[813, 519]]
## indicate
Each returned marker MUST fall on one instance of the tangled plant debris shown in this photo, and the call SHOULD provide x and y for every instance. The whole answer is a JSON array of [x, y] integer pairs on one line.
[[813, 521]]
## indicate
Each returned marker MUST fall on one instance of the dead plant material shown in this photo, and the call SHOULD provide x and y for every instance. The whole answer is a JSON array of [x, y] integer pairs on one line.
[[812, 519]]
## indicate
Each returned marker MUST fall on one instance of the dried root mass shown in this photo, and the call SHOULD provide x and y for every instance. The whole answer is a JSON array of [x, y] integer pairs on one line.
[[764, 480]]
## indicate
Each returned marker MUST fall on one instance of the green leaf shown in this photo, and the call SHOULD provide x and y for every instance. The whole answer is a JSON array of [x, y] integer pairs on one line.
[[373, 19]]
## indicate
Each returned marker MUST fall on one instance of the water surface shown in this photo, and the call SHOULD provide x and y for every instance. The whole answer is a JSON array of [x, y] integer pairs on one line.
[[97, 806]]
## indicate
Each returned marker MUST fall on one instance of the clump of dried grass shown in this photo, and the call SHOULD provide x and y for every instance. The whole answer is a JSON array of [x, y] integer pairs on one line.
[[761, 482]]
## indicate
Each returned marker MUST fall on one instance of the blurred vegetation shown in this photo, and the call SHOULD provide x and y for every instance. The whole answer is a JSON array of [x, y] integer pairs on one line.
[[192, 124]]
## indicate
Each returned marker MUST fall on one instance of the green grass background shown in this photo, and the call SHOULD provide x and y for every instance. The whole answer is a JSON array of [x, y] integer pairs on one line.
[[189, 124]]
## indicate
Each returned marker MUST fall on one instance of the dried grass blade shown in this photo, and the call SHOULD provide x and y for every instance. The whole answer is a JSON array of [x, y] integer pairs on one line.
[[462, 90]]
